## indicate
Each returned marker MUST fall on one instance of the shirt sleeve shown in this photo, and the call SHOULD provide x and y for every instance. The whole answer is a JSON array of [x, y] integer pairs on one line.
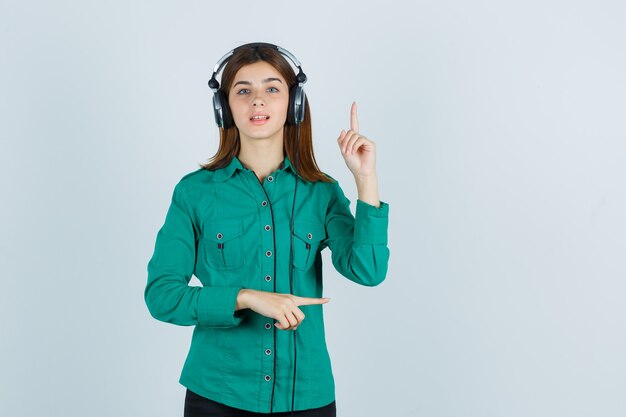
[[168, 295], [358, 243]]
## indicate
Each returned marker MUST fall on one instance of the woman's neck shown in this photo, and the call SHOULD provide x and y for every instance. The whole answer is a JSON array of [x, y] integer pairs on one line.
[[263, 160]]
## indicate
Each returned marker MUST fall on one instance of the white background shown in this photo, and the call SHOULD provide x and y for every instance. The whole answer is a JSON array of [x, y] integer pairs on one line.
[[501, 148]]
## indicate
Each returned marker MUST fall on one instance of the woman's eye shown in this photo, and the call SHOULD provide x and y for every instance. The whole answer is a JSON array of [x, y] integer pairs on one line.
[[243, 91], [273, 90]]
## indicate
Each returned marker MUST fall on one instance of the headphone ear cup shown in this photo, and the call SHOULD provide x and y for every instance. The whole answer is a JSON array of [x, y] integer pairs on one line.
[[297, 99], [223, 117]]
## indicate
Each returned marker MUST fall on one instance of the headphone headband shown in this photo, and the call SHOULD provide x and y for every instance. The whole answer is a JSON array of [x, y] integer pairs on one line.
[[214, 84]]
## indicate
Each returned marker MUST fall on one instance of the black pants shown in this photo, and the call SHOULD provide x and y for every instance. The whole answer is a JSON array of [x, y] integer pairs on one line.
[[198, 406]]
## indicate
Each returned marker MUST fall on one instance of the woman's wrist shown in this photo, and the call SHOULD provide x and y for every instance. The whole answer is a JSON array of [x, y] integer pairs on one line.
[[367, 189], [242, 299]]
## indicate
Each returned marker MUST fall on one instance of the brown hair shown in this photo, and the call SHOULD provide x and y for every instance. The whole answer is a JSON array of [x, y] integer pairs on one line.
[[229, 138]]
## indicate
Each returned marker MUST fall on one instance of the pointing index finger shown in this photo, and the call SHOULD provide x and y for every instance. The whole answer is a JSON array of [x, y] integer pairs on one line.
[[354, 122], [302, 301]]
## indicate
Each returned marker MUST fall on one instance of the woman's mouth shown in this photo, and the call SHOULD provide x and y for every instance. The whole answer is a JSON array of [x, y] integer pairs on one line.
[[259, 119]]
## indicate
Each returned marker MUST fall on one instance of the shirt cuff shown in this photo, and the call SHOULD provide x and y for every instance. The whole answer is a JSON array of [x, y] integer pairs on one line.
[[217, 307], [371, 223]]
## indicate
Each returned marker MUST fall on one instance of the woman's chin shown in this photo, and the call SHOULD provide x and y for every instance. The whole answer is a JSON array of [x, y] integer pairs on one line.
[[260, 133]]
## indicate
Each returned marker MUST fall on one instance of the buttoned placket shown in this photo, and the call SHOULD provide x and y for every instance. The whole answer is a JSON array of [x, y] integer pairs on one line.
[[267, 275]]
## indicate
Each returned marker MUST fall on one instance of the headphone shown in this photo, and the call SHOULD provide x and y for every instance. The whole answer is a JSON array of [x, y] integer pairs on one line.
[[297, 98]]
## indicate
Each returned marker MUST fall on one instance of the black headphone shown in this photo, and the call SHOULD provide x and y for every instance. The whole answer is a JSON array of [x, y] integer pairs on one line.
[[297, 98]]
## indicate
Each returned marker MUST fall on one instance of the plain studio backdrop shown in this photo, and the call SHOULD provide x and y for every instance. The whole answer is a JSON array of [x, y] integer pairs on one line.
[[501, 150]]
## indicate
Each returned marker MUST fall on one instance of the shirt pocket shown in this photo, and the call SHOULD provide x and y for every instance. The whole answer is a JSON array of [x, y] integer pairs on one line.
[[306, 242], [223, 245]]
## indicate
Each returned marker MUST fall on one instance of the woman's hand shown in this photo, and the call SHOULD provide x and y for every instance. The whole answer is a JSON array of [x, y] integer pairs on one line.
[[358, 151], [280, 307]]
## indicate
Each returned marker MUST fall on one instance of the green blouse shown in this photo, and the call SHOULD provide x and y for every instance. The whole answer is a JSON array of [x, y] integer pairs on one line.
[[231, 231]]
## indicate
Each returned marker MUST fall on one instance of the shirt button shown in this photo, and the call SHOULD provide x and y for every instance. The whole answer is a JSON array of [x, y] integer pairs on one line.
[[268, 227], [268, 278], [268, 351], [270, 178], [268, 378], [264, 203], [309, 236], [268, 326], [219, 235], [268, 253]]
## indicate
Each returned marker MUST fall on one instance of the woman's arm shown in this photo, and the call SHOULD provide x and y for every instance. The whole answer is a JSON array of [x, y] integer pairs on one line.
[[167, 294], [359, 243]]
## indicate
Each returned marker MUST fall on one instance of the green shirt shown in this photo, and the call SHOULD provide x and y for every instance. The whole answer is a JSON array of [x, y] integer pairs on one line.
[[231, 231]]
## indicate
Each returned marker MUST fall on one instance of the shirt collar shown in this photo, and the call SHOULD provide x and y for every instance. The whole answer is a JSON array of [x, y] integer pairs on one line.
[[235, 164]]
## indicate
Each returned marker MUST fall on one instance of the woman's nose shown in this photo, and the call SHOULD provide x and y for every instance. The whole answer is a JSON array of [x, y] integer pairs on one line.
[[257, 101]]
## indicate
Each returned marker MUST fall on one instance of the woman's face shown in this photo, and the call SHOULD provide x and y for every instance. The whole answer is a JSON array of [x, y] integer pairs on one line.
[[258, 102]]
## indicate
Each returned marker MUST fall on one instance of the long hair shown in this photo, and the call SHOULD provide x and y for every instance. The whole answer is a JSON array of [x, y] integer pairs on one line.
[[230, 143]]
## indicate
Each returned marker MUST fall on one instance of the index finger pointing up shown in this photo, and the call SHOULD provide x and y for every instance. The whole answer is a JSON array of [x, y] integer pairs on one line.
[[354, 121]]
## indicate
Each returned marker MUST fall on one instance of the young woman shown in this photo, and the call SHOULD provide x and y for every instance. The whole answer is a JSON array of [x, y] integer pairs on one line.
[[251, 225]]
